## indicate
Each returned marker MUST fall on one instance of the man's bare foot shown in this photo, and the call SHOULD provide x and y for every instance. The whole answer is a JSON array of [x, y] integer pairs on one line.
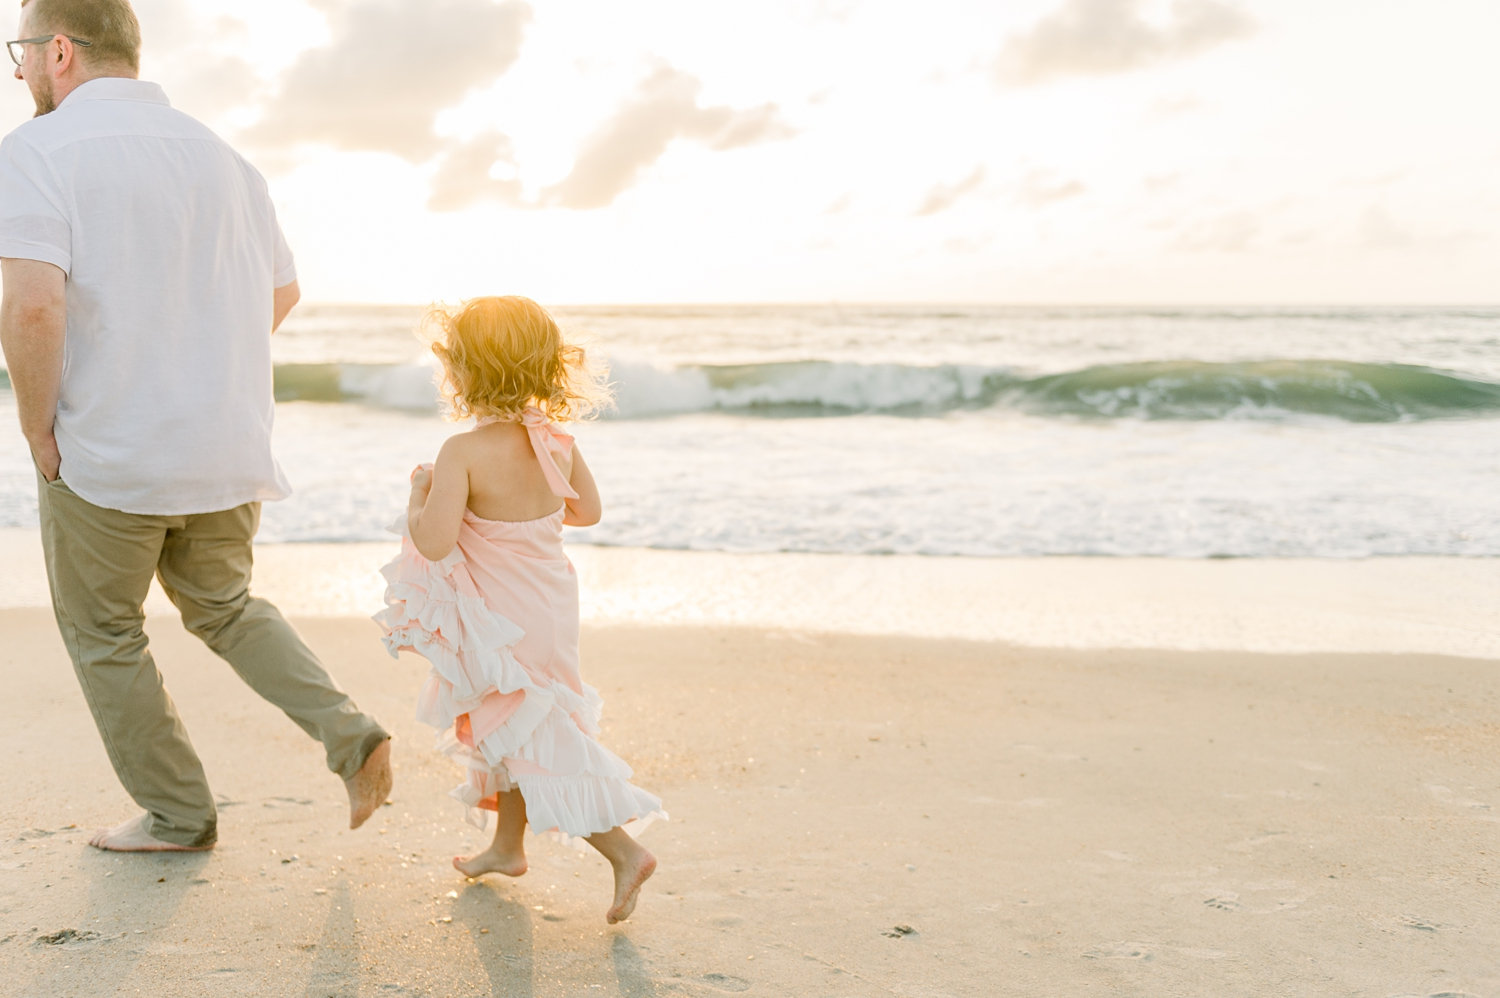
[[369, 787], [131, 836], [491, 861], [630, 874]]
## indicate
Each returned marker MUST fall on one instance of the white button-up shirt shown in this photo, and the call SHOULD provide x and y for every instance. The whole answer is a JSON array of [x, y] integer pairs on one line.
[[171, 249]]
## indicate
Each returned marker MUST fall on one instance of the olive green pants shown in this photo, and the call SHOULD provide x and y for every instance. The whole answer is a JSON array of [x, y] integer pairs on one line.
[[99, 566]]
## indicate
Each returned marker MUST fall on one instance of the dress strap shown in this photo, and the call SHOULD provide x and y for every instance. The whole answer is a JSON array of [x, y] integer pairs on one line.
[[552, 446]]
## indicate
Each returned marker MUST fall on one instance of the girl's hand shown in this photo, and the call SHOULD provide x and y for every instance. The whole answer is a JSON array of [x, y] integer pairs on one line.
[[421, 478]]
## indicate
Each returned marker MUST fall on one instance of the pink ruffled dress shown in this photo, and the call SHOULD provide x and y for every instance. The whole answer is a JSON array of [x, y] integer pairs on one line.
[[497, 619]]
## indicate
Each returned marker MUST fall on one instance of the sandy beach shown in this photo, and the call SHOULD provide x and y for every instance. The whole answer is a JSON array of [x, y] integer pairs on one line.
[[1186, 799], [1029, 473]]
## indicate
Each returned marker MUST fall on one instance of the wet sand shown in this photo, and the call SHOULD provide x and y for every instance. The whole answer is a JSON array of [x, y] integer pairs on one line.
[[852, 815], [1448, 606]]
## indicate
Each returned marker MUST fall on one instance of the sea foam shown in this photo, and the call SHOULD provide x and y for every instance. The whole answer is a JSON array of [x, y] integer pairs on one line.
[[1168, 389]]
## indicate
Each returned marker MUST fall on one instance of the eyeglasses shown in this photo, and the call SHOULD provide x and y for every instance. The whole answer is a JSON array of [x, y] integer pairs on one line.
[[17, 48]]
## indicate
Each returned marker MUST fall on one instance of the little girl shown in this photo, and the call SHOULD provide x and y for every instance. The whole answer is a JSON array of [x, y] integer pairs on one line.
[[483, 591]]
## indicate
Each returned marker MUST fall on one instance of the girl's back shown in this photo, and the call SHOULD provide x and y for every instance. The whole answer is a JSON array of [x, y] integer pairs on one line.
[[506, 480]]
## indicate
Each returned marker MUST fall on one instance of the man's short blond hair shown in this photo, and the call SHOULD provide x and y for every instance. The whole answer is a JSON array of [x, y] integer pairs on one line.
[[109, 26]]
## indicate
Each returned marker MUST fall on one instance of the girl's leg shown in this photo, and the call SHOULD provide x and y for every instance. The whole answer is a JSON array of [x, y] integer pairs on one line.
[[633, 865], [507, 853]]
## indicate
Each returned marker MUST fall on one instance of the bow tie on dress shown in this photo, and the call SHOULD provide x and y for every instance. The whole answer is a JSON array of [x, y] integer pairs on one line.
[[552, 446]]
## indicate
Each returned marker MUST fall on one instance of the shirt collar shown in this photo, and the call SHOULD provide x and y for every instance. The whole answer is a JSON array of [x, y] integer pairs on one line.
[[116, 88]]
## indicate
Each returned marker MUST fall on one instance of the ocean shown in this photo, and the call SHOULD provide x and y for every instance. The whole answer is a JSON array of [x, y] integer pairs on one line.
[[943, 430]]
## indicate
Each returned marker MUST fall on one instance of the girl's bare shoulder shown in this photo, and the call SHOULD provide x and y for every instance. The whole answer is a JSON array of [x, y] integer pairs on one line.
[[490, 442]]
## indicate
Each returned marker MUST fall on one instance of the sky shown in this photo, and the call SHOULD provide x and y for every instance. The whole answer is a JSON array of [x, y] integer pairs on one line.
[[1011, 151]]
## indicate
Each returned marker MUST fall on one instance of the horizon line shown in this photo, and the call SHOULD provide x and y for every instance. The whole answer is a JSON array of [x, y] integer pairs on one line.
[[935, 303]]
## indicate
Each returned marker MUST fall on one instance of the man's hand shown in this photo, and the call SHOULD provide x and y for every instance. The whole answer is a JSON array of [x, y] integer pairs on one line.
[[48, 460], [33, 325]]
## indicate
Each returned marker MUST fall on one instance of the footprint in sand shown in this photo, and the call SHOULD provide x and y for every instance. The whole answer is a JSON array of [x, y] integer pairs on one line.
[[1255, 841], [724, 982], [41, 833], [1420, 924], [67, 937], [1445, 795], [1119, 951], [1260, 904]]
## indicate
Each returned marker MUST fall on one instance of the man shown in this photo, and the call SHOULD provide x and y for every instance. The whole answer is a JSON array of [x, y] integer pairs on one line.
[[144, 273]]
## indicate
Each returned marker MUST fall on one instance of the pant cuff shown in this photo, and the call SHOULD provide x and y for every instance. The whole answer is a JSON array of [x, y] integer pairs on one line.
[[182, 837], [356, 762]]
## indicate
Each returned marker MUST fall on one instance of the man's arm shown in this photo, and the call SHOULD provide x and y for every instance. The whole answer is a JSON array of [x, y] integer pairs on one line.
[[33, 326], [284, 298]]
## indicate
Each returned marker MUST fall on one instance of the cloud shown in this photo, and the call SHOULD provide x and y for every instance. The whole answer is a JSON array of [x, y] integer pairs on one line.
[[724, 128], [1230, 233], [1378, 230], [943, 196], [833, 10], [1103, 37], [465, 174], [1041, 188], [197, 60], [390, 67], [663, 108]]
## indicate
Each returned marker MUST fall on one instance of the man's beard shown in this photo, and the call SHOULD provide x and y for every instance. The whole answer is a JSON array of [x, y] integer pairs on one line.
[[43, 97]]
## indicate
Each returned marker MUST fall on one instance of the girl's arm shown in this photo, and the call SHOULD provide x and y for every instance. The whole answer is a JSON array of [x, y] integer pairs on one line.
[[586, 509], [438, 498]]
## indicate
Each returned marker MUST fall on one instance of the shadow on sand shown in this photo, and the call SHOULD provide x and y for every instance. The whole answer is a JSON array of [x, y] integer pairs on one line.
[[336, 968], [631, 970], [502, 933], [117, 883]]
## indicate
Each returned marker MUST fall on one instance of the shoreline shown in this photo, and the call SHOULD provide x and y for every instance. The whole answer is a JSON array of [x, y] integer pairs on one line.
[[1427, 605]]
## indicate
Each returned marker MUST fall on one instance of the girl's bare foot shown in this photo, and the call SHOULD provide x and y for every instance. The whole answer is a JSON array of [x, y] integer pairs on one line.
[[633, 870], [491, 861], [131, 836], [507, 852]]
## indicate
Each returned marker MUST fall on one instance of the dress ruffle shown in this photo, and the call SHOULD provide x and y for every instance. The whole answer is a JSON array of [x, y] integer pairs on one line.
[[505, 727]]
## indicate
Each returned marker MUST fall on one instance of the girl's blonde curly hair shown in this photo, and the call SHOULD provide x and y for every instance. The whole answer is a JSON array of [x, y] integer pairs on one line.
[[501, 355]]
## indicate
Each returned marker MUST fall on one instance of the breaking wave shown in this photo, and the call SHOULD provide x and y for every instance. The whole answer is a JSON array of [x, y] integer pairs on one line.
[[1174, 390]]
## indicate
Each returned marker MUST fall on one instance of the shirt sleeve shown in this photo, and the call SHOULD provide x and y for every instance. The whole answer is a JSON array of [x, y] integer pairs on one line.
[[34, 221], [282, 263]]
